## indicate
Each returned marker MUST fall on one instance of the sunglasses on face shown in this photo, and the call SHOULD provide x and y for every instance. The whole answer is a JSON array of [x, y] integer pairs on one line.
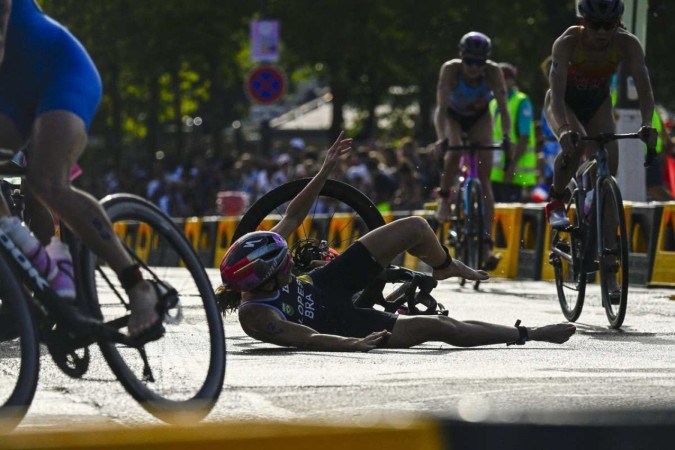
[[471, 61], [607, 26]]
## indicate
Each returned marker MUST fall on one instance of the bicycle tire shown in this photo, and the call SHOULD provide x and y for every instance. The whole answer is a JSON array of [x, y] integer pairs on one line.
[[613, 250], [471, 206], [366, 216], [17, 394], [171, 406], [571, 304]]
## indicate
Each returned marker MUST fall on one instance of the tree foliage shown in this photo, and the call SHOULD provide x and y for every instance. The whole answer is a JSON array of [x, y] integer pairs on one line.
[[162, 60]]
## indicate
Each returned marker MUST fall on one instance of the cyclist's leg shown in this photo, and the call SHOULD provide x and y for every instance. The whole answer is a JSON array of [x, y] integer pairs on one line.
[[563, 173], [414, 235], [413, 330], [564, 166], [58, 140], [453, 133]]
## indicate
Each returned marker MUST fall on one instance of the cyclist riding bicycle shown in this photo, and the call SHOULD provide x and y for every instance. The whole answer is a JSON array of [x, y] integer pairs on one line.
[[584, 58], [465, 87], [49, 92], [315, 311]]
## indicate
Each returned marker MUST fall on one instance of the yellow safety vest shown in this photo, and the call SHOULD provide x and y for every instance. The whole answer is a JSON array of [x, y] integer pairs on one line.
[[526, 169]]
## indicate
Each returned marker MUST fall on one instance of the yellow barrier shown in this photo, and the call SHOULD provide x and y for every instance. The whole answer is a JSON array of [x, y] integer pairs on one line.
[[341, 231], [201, 232], [506, 236], [224, 233], [664, 259], [408, 435], [193, 233]]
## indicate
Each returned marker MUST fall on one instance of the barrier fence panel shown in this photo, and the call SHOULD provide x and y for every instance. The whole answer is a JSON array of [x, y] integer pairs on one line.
[[663, 272], [201, 232], [643, 233], [506, 236], [531, 242], [224, 233]]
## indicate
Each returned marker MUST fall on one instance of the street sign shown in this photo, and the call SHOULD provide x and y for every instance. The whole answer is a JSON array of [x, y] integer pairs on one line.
[[266, 84], [265, 40]]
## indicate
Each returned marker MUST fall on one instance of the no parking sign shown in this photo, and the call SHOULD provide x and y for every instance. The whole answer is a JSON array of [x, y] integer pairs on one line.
[[266, 84]]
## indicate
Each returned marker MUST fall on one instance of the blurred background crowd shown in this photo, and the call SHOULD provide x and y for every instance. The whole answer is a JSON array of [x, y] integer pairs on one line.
[[176, 124], [396, 175]]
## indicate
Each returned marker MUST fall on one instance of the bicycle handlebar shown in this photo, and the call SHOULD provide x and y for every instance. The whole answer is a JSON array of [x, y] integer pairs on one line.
[[605, 138], [445, 147]]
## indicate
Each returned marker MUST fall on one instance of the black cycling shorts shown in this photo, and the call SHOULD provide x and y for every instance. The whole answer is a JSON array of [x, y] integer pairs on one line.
[[466, 123], [338, 281]]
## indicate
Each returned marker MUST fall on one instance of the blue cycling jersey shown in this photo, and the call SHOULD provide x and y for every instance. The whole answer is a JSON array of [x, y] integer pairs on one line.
[[45, 69], [468, 100]]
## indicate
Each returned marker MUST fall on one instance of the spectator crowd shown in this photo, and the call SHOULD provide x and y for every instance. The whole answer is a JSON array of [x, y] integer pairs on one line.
[[396, 177]]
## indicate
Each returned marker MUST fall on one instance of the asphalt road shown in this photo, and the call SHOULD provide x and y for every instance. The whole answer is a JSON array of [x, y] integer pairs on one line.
[[598, 369]]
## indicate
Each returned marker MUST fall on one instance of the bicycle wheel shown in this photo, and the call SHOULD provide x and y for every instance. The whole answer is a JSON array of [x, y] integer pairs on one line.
[[567, 259], [185, 368], [614, 252], [340, 215], [19, 351], [470, 214]]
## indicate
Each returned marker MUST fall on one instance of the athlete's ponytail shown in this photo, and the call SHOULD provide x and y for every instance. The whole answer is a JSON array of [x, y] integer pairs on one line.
[[228, 299]]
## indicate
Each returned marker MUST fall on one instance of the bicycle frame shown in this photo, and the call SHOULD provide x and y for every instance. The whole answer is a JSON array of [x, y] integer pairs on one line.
[[469, 165], [608, 254], [602, 172]]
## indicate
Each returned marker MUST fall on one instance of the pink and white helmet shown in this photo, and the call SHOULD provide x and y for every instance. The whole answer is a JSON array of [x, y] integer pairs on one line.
[[253, 259]]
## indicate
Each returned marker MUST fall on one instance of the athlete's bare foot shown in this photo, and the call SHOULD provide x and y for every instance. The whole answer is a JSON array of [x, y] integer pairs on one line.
[[459, 269], [143, 302], [556, 334]]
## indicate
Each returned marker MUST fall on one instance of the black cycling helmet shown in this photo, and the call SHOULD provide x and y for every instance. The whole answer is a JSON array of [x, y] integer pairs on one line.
[[600, 10], [253, 259], [475, 43]]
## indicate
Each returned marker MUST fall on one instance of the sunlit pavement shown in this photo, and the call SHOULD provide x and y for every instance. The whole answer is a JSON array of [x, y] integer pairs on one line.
[[598, 368]]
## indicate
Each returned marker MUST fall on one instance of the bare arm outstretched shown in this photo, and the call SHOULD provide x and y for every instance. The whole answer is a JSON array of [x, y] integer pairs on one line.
[[299, 207]]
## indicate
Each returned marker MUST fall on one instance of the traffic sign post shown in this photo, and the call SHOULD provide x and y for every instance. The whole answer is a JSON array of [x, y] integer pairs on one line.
[[266, 84]]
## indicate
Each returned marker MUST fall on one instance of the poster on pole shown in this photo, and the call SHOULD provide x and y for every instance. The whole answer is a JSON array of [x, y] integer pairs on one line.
[[265, 40]]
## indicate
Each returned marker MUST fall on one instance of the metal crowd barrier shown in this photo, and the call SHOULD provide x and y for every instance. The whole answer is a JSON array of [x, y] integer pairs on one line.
[[520, 233]]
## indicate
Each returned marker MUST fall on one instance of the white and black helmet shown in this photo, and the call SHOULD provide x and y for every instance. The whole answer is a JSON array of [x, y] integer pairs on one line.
[[600, 10]]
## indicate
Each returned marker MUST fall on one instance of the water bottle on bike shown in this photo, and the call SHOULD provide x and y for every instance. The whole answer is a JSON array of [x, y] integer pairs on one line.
[[53, 261]]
